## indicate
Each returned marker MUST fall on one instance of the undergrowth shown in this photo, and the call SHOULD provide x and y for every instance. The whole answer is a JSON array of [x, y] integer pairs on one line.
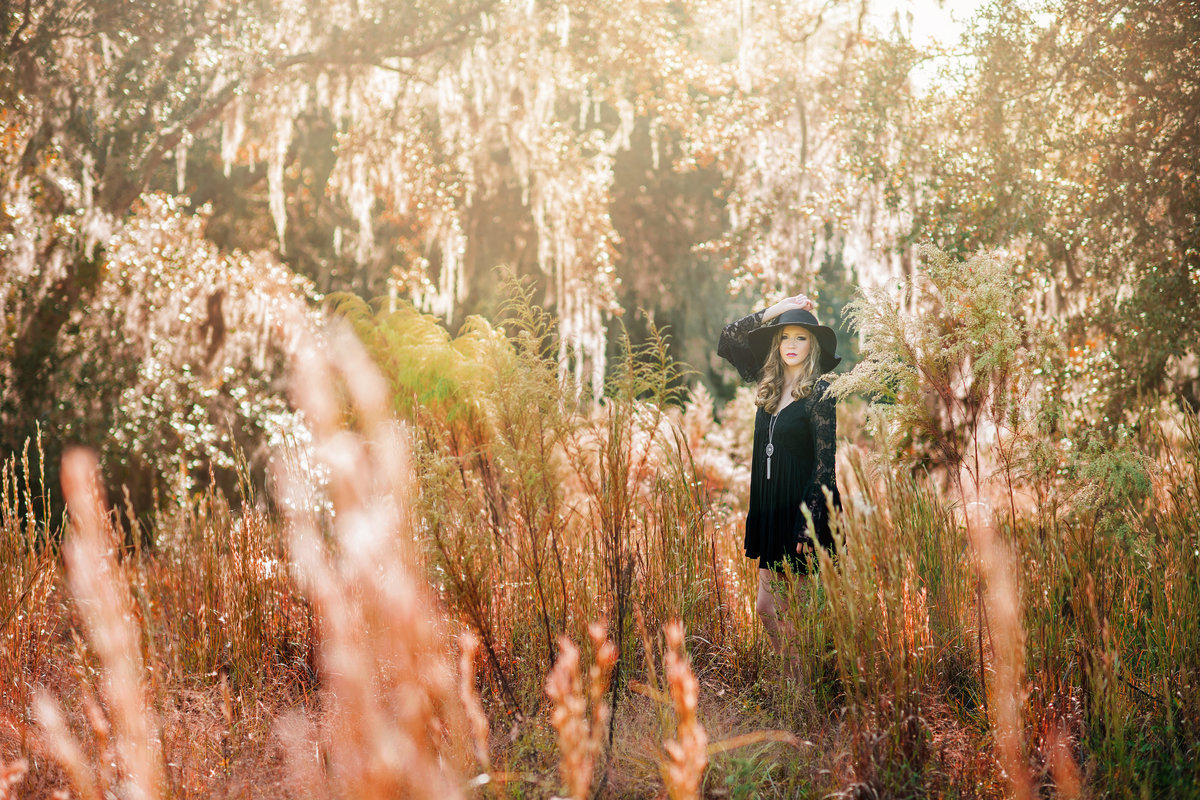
[[513, 592]]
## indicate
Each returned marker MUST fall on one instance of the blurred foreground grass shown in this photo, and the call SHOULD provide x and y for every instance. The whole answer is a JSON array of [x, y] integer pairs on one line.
[[1045, 643]]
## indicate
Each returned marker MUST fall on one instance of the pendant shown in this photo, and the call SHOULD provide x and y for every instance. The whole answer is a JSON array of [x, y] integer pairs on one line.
[[770, 448]]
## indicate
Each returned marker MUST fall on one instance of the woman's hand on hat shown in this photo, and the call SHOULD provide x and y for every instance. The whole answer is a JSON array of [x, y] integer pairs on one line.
[[802, 302], [799, 301]]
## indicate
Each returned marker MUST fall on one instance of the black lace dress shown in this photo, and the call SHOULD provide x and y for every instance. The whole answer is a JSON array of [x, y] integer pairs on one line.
[[804, 439]]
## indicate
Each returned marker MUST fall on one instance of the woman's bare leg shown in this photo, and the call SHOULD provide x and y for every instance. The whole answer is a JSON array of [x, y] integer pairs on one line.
[[766, 607], [776, 591]]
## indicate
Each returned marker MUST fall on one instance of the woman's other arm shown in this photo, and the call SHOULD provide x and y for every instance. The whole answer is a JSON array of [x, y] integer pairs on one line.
[[734, 345], [824, 430]]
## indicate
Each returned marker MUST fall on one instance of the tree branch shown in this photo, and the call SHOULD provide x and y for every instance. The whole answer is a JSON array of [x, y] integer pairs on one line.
[[27, 15], [448, 35]]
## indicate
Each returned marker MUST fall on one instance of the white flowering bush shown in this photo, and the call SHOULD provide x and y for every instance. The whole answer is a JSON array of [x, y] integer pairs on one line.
[[175, 368]]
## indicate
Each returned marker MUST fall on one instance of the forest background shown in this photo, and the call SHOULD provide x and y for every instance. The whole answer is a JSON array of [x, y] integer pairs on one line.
[[192, 191]]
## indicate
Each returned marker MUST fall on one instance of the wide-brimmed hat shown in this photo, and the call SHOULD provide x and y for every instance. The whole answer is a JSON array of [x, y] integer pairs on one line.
[[760, 338]]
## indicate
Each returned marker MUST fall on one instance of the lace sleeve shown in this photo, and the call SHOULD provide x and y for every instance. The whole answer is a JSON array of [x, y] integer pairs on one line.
[[823, 413], [734, 346]]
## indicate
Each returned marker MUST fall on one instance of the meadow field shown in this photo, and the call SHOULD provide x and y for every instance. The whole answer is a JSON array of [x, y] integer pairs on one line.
[[364, 434], [477, 587]]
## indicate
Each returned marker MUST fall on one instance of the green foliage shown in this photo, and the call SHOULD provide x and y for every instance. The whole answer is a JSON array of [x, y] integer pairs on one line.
[[757, 775], [1065, 133], [934, 374], [541, 513], [1084, 553], [1114, 485], [428, 370]]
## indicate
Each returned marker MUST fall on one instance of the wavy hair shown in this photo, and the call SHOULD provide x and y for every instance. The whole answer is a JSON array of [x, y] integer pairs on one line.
[[770, 386]]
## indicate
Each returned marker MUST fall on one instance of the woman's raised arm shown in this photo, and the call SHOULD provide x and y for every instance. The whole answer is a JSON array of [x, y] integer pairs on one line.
[[734, 345], [799, 301]]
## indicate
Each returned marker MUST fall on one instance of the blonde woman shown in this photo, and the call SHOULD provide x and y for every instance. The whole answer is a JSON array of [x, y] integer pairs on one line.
[[787, 351]]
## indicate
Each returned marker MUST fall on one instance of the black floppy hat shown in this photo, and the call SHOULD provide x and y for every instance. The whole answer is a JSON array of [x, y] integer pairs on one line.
[[760, 338]]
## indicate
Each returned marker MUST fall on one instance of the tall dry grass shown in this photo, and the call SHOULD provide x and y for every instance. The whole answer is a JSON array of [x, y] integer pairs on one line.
[[541, 516], [131, 762], [403, 638], [216, 585], [29, 569], [314, 640]]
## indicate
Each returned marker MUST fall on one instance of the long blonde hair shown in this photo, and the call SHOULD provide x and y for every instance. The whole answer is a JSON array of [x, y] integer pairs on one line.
[[770, 386]]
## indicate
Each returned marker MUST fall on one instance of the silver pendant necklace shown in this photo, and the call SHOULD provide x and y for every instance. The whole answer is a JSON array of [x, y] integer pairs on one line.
[[770, 441]]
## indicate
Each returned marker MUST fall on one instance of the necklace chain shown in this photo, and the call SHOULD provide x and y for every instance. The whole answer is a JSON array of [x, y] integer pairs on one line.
[[770, 450]]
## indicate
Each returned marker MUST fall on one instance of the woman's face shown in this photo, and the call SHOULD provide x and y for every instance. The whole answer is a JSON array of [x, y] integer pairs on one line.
[[794, 343]]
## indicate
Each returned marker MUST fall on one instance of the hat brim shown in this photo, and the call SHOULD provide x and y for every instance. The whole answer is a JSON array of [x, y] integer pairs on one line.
[[760, 338]]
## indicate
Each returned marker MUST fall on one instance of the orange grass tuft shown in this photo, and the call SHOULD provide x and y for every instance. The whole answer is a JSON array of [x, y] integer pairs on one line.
[[580, 739], [1007, 687], [392, 722], [102, 596], [687, 753]]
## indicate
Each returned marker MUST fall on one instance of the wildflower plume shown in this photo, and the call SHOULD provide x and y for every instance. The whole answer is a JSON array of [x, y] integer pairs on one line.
[[687, 753]]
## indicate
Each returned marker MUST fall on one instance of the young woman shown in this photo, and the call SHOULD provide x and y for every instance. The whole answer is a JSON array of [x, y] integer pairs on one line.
[[787, 351]]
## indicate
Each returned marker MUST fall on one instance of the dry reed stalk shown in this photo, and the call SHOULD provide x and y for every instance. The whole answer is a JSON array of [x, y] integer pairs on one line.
[[647, 648], [598, 679], [580, 739], [106, 606], [917, 637], [393, 719], [755, 737], [65, 747], [28, 570], [1007, 690], [688, 752], [469, 644]]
